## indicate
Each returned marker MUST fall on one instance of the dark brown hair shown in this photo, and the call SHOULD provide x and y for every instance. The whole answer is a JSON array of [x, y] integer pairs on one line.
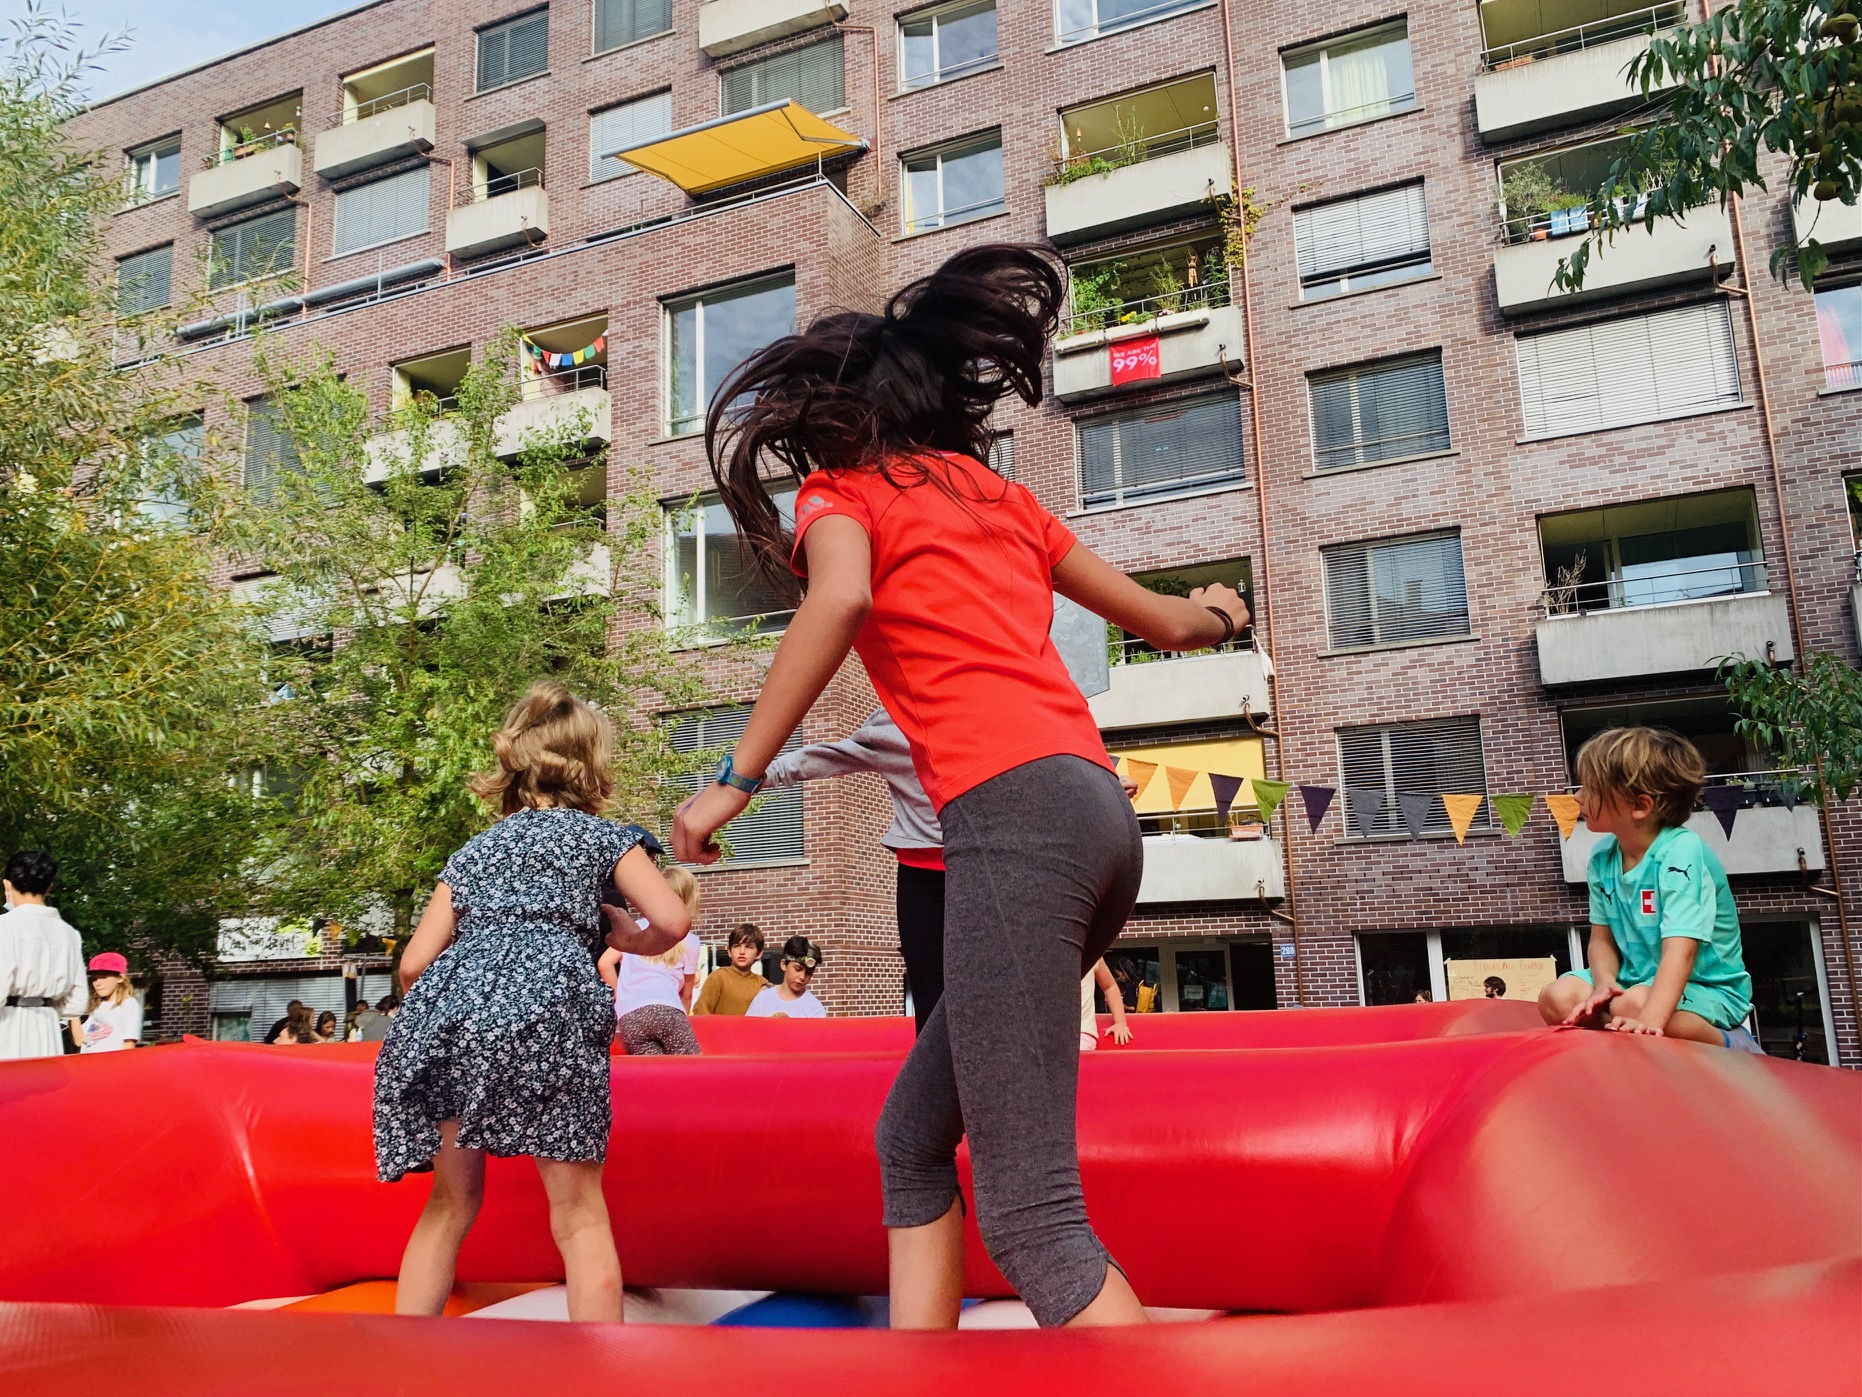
[[857, 391], [1624, 763], [748, 934]]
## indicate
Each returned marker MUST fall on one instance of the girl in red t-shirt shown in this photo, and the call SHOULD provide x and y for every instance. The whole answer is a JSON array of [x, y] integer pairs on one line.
[[941, 575]]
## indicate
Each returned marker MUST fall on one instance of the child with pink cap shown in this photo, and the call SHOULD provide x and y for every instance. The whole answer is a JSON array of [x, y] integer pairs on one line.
[[115, 1018]]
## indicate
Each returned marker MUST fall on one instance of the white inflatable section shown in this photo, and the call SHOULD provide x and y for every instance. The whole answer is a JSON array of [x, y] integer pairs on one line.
[[641, 1306]]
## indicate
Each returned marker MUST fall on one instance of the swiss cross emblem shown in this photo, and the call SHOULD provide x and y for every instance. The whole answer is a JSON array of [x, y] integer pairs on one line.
[[1133, 360], [1648, 902]]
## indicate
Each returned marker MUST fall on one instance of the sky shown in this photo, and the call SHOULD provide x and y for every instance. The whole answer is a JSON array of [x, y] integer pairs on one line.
[[169, 35]]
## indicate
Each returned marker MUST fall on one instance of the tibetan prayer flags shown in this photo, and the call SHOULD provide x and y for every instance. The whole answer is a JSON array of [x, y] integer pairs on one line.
[[1365, 806], [1180, 783], [1724, 802], [1564, 809], [1513, 812], [1318, 800], [1226, 788], [1415, 813], [1461, 811], [1141, 772], [1267, 795], [553, 362]]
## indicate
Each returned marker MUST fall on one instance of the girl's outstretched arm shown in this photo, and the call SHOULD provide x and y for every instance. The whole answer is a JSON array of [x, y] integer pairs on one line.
[[840, 564], [433, 935], [1169, 623]]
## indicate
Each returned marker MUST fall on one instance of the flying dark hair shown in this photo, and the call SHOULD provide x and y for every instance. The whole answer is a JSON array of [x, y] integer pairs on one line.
[[859, 391]]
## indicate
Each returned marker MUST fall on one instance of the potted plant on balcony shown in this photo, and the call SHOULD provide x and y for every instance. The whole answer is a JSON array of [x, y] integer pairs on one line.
[[1528, 194], [1095, 298], [1246, 826]]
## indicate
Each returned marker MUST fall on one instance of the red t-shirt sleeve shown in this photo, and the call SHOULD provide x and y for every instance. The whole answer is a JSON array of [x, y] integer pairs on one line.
[[1056, 537], [821, 495]]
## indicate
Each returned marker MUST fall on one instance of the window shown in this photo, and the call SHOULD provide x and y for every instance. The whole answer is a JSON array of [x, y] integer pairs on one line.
[[1852, 489], [1839, 327], [1709, 722], [625, 125], [620, 22], [1641, 368], [385, 86], [506, 166], [1401, 967], [1442, 756], [381, 211], [1129, 649], [953, 184], [259, 247], [1341, 82], [1175, 448], [715, 582], [516, 49], [1364, 241], [815, 77], [1161, 811], [1396, 590], [1076, 21], [947, 43], [142, 280], [1379, 412], [269, 449], [771, 830], [169, 457], [1653, 553], [1002, 455], [155, 170], [712, 334], [260, 128], [1144, 284]]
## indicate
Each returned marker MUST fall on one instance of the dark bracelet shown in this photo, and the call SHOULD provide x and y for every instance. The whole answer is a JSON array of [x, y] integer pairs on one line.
[[1228, 623]]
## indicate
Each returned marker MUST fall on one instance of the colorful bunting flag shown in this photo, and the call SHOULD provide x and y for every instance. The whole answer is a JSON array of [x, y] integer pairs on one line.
[[1415, 813], [1461, 810], [1513, 811], [1141, 772], [1268, 795], [1365, 805], [1789, 793], [1564, 809], [1180, 783], [1724, 802], [1226, 788], [1318, 800]]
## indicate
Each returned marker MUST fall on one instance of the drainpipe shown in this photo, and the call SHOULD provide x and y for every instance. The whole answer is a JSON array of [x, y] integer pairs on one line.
[[879, 163], [1263, 631]]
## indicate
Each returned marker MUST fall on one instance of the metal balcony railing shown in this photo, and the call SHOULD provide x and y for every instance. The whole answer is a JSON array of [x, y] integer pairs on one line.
[[1759, 789], [387, 102], [1566, 223], [479, 191], [1080, 163], [1843, 375], [1654, 589], [1334, 117], [1124, 21], [1084, 322], [239, 150], [1583, 36], [549, 385], [1129, 650]]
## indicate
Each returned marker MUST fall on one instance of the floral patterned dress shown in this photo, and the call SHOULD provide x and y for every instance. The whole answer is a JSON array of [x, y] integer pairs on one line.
[[508, 1030]]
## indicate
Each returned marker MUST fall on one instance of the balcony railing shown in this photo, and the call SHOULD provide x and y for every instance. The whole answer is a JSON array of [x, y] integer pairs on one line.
[[1567, 223], [1839, 376], [1759, 789], [1656, 589], [1349, 116], [479, 191], [1085, 322], [1124, 21], [1140, 148], [567, 381], [1129, 650], [387, 102], [239, 150], [1583, 36]]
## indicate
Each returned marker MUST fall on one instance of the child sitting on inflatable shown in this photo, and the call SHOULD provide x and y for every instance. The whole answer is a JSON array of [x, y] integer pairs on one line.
[[1664, 935], [501, 1046]]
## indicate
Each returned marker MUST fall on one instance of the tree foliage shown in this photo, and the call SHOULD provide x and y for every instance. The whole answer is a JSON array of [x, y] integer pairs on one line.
[[1808, 719], [1755, 79]]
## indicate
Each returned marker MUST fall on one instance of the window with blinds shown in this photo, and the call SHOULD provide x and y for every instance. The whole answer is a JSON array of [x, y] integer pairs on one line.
[[1379, 412], [619, 22], [1395, 590], [515, 49], [1640, 368], [1364, 241], [625, 125], [259, 247], [1440, 757], [381, 211], [142, 281], [1002, 454], [1150, 453], [270, 451], [771, 830], [815, 77]]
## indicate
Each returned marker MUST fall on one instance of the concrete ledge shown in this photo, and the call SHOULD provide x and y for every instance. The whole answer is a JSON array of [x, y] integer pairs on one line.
[[1765, 840], [271, 173], [1133, 195], [731, 26], [540, 415], [1638, 260], [1190, 343], [1635, 642], [375, 140], [1837, 226], [504, 220], [1194, 689], [1184, 868], [1562, 90], [387, 451]]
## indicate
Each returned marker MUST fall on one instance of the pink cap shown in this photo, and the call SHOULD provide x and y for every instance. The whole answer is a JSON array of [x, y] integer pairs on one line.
[[109, 963]]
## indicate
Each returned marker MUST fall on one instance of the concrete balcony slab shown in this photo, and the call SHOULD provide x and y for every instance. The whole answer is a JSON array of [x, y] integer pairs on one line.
[[375, 140], [1639, 642], [517, 219], [730, 26], [1640, 259], [1190, 344], [1837, 226], [386, 451], [1134, 195], [1194, 689], [1184, 868], [270, 173], [1567, 89], [591, 406], [1765, 839]]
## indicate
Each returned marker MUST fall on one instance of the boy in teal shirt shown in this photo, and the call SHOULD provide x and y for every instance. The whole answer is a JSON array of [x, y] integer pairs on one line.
[[1664, 934]]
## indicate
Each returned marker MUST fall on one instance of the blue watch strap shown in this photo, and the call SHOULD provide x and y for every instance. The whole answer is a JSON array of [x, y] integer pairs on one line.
[[728, 775]]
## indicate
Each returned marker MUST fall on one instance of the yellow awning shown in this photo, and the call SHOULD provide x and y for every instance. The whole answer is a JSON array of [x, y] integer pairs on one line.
[[762, 141]]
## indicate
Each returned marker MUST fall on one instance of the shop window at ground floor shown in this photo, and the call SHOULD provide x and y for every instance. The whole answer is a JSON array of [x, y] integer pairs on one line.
[[244, 1007], [1401, 967], [1790, 995], [1193, 977]]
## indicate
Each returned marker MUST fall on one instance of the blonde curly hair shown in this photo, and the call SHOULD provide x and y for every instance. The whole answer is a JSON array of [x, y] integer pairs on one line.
[[1623, 763], [553, 750]]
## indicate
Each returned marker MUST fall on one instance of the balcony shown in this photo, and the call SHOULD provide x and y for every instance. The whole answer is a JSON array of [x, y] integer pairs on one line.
[[1186, 689], [1189, 343], [1132, 192], [1766, 838], [509, 211], [387, 451], [376, 132], [1566, 77], [572, 402], [1639, 259], [1596, 632], [256, 172], [1837, 226], [1188, 868], [731, 26]]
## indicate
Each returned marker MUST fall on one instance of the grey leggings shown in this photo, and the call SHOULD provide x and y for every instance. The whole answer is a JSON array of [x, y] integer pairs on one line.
[[657, 1030], [1044, 862]]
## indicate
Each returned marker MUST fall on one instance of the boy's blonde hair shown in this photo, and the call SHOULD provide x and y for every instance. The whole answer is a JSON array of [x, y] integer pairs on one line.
[[681, 881], [553, 749], [1625, 763]]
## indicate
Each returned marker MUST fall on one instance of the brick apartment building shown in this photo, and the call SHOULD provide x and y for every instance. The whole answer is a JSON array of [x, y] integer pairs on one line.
[[1477, 519]]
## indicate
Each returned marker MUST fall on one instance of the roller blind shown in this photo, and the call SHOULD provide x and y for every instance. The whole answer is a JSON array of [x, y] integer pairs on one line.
[[1164, 450], [624, 125], [381, 211], [264, 997], [1385, 229], [269, 449], [1379, 412], [518, 48], [620, 22], [815, 77], [258, 247], [1441, 756], [1640, 368], [1403, 589], [142, 281], [1002, 454], [770, 831]]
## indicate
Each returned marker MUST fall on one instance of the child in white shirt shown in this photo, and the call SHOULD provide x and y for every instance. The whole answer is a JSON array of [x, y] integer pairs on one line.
[[653, 994], [115, 1018], [792, 999]]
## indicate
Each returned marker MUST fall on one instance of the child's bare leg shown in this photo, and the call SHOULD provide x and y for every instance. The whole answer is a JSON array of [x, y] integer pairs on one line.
[[579, 1223], [433, 1249], [926, 1269], [1564, 995], [1684, 1023]]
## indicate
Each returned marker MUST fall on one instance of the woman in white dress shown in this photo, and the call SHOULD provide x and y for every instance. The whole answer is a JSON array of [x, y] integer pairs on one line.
[[42, 976]]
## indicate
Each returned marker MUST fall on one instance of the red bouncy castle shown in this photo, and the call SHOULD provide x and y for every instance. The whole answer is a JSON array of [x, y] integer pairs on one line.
[[1425, 1199]]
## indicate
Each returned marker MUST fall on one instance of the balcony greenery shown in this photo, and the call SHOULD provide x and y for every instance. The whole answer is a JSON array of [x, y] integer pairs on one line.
[[1131, 290]]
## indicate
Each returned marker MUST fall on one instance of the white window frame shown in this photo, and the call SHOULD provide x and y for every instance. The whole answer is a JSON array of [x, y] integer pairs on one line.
[[595, 175], [960, 9], [151, 152], [672, 307], [1161, 10], [1323, 48], [704, 631], [1341, 281], [964, 146]]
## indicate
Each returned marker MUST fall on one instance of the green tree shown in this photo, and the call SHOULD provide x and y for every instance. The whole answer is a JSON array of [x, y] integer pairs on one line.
[[124, 672], [1812, 718], [1756, 78]]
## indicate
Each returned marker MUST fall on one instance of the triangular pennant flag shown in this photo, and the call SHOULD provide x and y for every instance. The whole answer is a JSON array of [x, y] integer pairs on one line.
[[1789, 793], [1415, 813], [1461, 810], [1268, 795], [1119, 765], [1180, 783], [1564, 809], [1365, 805], [1226, 788], [1318, 800], [1513, 811], [1141, 772], [1724, 802]]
